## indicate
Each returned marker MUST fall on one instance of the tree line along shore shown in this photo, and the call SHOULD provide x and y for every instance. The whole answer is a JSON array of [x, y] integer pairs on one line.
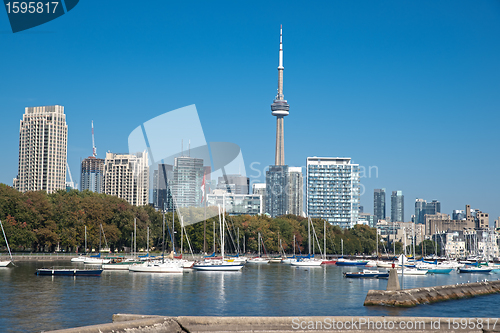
[[41, 222]]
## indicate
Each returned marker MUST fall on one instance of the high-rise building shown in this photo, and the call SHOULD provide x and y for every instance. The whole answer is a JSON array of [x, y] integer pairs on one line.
[[92, 175], [295, 191], [379, 204], [235, 184], [162, 187], [397, 206], [333, 190], [277, 190], [423, 208], [420, 211], [280, 109], [187, 186], [260, 189], [43, 140], [126, 176], [237, 204], [433, 207]]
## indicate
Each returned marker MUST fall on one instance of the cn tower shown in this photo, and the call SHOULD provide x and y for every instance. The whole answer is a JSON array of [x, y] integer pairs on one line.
[[280, 109]]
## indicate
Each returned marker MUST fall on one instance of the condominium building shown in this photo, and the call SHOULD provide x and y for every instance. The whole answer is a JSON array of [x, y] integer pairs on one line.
[[162, 187], [422, 208], [397, 206], [260, 189], [187, 186], [295, 191], [43, 140], [237, 204], [333, 190], [92, 174], [126, 176], [379, 204], [277, 190], [235, 184]]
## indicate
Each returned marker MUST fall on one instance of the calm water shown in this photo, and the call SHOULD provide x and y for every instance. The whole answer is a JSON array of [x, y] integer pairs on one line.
[[31, 303]]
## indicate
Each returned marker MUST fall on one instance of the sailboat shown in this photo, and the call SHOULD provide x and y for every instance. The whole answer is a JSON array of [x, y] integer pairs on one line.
[[259, 259], [348, 262], [96, 259], [159, 266], [325, 260], [5, 263], [309, 261], [219, 264], [82, 258]]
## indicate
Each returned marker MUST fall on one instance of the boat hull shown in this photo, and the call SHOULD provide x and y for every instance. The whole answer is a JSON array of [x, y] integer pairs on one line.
[[307, 263], [157, 268], [350, 263], [69, 272], [360, 275], [4, 263], [474, 270], [440, 270], [217, 267]]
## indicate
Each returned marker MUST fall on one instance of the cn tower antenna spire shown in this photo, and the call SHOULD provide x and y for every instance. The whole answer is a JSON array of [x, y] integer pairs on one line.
[[280, 109], [94, 149]]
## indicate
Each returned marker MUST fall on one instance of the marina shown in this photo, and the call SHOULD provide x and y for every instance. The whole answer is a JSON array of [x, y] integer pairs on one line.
[[255, 290]]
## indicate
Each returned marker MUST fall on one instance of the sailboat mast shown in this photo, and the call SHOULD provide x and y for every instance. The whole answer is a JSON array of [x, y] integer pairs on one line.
[[324, 240], [147, 243], [135, 236], [85, 239], [258, 240], [163, 233], [173, 231], [309, 234], [182, 234]]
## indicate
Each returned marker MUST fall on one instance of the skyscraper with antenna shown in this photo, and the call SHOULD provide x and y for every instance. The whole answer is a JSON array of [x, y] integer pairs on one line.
[[280, 109], [92, 173]]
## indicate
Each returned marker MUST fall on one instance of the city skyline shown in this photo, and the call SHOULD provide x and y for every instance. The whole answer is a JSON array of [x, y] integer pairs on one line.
[[424, 73]]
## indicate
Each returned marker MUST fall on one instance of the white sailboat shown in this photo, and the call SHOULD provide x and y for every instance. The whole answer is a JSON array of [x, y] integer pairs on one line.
[[258, 259], [159, 266], [5, 263], [309, 262], [96, 259], [82, 258], [219, 264]]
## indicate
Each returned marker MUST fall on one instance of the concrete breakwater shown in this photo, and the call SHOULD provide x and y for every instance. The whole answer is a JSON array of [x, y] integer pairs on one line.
[[416, 296], [161, 324]]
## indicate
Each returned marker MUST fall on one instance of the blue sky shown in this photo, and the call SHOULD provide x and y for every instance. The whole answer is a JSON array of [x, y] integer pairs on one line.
[[411, 87]]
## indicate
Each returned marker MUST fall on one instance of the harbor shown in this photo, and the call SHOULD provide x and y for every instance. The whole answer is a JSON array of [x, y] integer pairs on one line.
[[33, 303]]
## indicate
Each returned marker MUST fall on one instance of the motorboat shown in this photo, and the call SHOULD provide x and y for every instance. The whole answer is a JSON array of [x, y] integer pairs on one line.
[[367, 273]]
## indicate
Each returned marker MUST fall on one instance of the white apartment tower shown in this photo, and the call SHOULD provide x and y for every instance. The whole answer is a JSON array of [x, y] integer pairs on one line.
[[43, 141], [126, 176], [333, 190]]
